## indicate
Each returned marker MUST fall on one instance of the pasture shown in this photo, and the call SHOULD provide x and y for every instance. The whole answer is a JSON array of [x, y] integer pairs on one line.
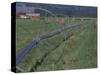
[[73, 48]]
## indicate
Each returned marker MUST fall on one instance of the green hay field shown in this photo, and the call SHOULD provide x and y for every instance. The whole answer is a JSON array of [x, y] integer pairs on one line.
[[58, 52]]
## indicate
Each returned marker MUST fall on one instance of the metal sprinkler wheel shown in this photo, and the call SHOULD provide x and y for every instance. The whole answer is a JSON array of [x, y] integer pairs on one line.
[[47, 38]]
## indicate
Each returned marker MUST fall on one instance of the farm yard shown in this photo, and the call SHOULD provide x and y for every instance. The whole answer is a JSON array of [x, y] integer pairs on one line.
[[73, 48]]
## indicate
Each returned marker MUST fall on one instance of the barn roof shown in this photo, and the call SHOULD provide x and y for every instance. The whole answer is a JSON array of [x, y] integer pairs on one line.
[[32, 14]]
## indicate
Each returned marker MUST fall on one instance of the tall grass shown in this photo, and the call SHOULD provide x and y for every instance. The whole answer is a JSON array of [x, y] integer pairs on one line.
[[56, 53]]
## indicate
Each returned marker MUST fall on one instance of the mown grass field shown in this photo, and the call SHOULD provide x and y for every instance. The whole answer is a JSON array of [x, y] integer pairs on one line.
[[59, 52]]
